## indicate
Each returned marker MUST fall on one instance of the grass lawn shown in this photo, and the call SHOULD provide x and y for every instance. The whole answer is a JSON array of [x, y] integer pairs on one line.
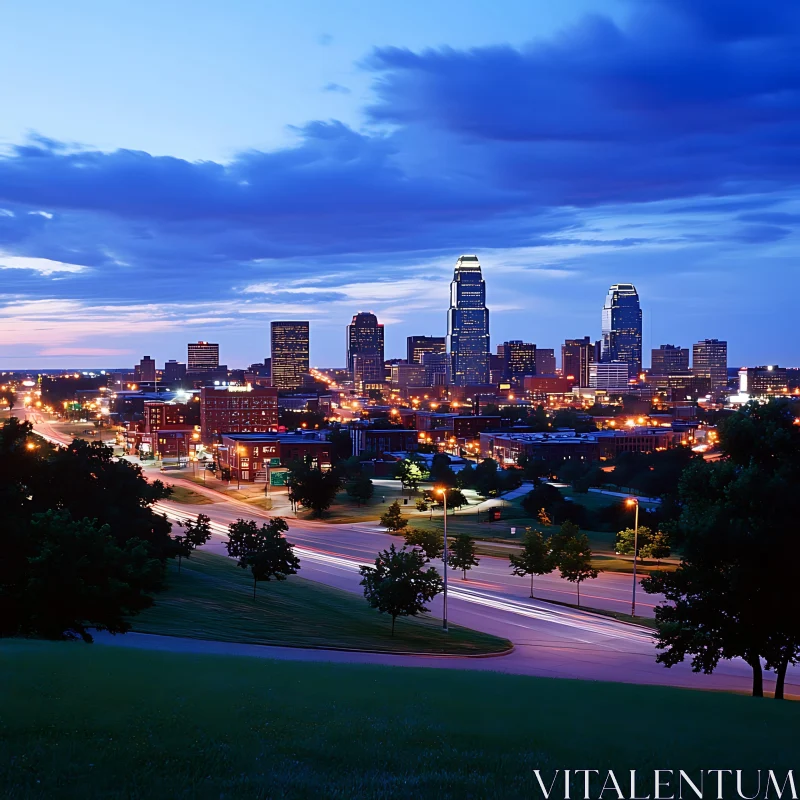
[[82, 721], [212, 598], [180, 494]]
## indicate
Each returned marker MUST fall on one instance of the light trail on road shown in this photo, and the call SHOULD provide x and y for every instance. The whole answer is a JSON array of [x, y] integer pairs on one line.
[[531, 610]]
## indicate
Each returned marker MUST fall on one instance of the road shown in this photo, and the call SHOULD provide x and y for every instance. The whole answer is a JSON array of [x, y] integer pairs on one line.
[[549, 640]]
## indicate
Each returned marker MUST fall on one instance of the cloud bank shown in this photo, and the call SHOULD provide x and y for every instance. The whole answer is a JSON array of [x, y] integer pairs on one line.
[[677, 129]]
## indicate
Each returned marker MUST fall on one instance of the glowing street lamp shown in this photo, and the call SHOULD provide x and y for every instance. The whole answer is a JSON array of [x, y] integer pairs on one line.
[[443, 493], [633, 501]]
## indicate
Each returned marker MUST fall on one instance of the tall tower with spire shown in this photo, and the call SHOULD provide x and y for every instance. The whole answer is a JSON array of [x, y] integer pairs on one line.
[[622, 328], [468, 324]]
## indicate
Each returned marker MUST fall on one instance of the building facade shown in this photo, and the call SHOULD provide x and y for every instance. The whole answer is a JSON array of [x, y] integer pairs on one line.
[[669, 359], [365, 339], [710, 361], [405, 375], [468, 324], [763, 382], [622, 327], [545, 361], [418, 346], [437, 368], [289, 343], [145, 370], [237, 409], [519, 360], [202, 357], [174, 371], [610, 376], [576, 356]]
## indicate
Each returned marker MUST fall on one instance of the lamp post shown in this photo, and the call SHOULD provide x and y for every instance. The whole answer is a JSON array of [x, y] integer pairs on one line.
[[632, 501], [443, 493]]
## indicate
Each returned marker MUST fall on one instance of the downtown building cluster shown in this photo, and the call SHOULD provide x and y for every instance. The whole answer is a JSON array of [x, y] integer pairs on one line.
[[450, 390]]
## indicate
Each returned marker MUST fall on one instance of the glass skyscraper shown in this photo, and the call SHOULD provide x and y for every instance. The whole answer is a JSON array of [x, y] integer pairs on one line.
[[365, 344], [622, 328], [289, 344], [468, 324]]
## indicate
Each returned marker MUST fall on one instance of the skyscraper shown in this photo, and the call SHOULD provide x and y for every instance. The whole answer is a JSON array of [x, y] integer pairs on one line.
[[710, 360], [519, 360], [289, 343], [365, 340], [202, 357], [145, 370], [576, 356], [468, 324], [669, 359], [545, 361], [174, 371], [622, 328], [417, 346]]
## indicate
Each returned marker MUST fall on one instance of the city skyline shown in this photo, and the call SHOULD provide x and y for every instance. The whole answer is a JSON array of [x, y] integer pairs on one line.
[[205, 356], [334, 179]]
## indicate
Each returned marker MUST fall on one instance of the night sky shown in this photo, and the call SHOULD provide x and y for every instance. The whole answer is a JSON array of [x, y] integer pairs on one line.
[[193, 173]]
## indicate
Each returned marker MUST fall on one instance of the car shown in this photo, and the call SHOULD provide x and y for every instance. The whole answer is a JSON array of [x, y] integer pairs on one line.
[[168, 467]]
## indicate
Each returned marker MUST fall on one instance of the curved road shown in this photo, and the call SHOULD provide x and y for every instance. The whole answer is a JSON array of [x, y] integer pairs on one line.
[[549, 640]]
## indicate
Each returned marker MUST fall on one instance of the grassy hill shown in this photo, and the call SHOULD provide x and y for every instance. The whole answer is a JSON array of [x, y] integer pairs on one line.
[[90, 721]]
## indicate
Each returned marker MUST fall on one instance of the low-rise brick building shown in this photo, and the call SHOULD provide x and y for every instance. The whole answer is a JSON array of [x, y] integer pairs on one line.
[[248, 456], [237, 409]]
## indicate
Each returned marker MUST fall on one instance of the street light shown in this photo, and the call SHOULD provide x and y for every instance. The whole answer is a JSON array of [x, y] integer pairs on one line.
[[443, 493], [633, 501]]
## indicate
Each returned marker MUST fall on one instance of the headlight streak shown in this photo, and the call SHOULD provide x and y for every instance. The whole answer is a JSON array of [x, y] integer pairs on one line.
[[567, 617]]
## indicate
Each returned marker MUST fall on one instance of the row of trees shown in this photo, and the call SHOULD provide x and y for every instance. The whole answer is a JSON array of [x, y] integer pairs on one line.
[[567, 550], [486, 478]]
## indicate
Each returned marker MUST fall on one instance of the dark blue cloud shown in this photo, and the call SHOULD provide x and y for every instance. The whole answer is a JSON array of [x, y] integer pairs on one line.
[[760, 234], [335, 87], [691, 101]]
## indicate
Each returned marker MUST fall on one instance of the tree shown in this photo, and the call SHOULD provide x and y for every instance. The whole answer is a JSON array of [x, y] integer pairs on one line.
[[574, 558], [265, 551], [534, 559], [409, 473], [543, 495], [77, 578], [731, 595], [195, 535], [509, 479], [393, 518], [658, 547], [421, 504], [441, 472], [455, 499], [430, 542], [626, 538], [341, 444], [486, 481], [461, 553], [398, 584], [313, 487], [465, 479], [95, 498], [360, 489]]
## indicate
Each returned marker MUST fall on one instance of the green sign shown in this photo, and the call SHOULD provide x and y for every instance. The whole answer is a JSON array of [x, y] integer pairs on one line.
[[277, 478], [274, 462]]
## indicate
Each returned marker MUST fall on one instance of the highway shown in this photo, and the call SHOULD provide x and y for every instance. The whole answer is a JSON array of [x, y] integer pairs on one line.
[[549, 640]]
